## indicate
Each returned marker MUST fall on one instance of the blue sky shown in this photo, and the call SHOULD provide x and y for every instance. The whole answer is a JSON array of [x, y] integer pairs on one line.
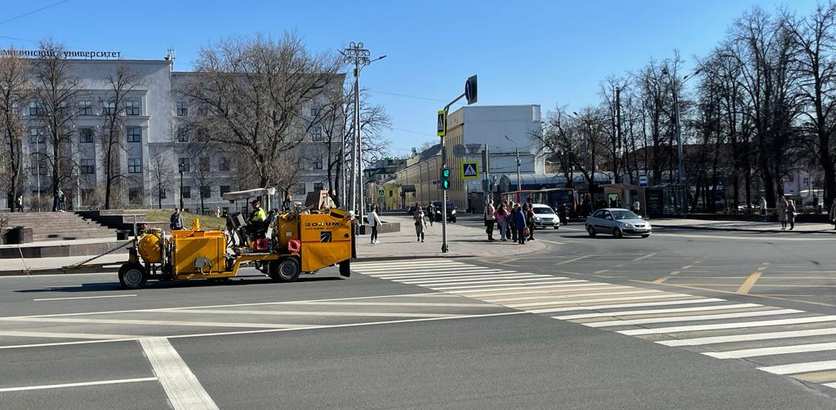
[[533, 52]]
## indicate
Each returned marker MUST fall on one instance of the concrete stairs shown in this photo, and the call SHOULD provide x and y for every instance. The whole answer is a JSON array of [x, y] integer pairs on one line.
[[121, 219], [57, 226]]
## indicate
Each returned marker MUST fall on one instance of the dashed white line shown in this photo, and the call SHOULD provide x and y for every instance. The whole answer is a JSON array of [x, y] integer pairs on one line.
[[83, 297], [800, 367]]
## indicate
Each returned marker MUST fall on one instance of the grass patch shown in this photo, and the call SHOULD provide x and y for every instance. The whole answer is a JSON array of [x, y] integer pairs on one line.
[[206, 221]]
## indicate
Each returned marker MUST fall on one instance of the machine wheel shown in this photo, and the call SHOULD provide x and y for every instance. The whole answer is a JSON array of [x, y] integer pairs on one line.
[[646, 235], [556, 227], [132, 276], [590, 230], [285, 270], [617, 233]]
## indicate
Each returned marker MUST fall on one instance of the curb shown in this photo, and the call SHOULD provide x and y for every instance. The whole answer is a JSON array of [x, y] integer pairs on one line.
[[707, 228], [93, 268]]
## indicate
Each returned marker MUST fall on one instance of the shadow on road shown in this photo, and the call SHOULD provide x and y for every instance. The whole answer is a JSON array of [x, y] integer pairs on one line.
[[239, 281]]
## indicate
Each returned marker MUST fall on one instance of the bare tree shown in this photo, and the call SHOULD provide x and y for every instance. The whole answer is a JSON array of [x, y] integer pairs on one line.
[[14, 92], [55, 89], [162, 176], [120, 86], [816, 41], [254, 94], [577, 142]]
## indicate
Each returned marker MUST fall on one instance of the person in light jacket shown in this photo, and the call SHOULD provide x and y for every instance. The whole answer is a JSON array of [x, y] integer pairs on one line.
[[490, 219], [374, 222], [833, 213], [420, 223], [501, 218]]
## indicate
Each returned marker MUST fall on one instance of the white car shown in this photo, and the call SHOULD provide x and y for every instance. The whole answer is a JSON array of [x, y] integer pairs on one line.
[[544, 217]]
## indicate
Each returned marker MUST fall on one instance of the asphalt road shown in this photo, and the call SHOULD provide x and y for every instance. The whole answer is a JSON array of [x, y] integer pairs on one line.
[[591, 323]]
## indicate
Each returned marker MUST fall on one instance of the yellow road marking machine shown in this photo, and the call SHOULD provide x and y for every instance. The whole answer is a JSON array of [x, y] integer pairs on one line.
[[283, 246]]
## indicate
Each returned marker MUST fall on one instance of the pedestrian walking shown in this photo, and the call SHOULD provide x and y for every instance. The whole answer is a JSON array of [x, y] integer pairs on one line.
[[763, 208], [20, 203], [832, 214], [374, 222], [637, 207], [512, 225], [519, 224], [431, 212], [176, 220], [490, 219], [529, 219], [781, 211], [791, 213], [501, 217], [420, 223]]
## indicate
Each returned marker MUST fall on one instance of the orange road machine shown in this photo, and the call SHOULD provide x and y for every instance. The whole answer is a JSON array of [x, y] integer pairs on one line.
[[283, 246]]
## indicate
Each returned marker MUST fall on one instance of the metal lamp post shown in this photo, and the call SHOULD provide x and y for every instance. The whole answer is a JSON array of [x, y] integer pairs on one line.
[[681, 180]]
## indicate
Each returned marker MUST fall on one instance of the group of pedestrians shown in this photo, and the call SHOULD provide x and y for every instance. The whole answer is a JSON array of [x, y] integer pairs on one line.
[[786, 211], [514, 220]]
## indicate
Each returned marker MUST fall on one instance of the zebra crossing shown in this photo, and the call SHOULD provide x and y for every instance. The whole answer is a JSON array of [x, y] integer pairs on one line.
[[790, 342]]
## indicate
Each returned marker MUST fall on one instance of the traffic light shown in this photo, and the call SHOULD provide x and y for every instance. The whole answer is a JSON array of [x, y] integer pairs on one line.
[[445, 178]]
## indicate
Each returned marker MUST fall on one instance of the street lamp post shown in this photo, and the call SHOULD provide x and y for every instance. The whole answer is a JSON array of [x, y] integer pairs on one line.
[[359, 56], [517, 156], [681, 179], [181, 187]]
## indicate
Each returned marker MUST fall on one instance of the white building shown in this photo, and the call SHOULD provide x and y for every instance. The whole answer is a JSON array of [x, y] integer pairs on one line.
[[153, 144]]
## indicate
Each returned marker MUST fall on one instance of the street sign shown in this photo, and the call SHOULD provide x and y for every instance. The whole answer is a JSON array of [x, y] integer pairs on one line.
[[442, 123], [470, 89], [470, 170], [643, 180]]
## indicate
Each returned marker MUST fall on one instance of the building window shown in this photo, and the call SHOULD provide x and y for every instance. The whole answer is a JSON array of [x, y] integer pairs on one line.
[[205, 191], [224, 189], [182, 134], [182, 109], [36, 109], [88, 166], [203, 164], [133, 107], [135, 195], [186, 192], [85, 135], [318, 163], [316, 134], [317, 187], [85, 107], [134, 165], [316, 109], [299, 189], [134, 134], [223, 164], [161, 193], [183, 164], [37, 135], [109, 108]]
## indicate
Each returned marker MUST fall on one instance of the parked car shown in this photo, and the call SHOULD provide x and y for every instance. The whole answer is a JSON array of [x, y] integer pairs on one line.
[[617, 222], [545, 217], [451, 211]]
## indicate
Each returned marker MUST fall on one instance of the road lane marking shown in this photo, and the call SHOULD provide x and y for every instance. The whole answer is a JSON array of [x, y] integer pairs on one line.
[[62, 335], [435, 266], [574, 260], [582, 301], [568, 294], [769, 351], [831, 385], [552, 291], [661, 280], [577, 296], [748, 283], [693, 318], [720, 326], [82, 297], [800, 367], [506, 281], [748, 337], [484, 288], [452, 274], [79, 384], [747, 238], [181, 386], [627, 305], [428, 304], [597, 272], [296, 313], [657, 311], [473, 279], [143, 322], [641, 258]]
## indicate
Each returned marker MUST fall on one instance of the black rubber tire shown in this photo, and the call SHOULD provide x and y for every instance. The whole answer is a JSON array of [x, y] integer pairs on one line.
[[285, 269], [646, 236], [132, 276], [590, 231], [556, 227], [617, 233]]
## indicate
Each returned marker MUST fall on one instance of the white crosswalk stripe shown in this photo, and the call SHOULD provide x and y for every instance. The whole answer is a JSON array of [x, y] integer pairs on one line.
[[786, 336]]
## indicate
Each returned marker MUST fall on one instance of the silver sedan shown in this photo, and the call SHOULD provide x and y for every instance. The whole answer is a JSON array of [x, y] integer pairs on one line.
[[617, 222]]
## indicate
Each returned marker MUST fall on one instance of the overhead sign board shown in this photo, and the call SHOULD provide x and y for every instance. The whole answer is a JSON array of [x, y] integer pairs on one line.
[[470, 170], [643, 180]]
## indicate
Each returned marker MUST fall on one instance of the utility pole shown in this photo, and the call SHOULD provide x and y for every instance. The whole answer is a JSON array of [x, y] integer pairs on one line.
[[681, 180], [181, 187], [519, 179], [359, 56], [618, 142]]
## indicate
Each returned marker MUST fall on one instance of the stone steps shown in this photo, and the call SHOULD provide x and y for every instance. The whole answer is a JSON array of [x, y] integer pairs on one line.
[[52, 226]]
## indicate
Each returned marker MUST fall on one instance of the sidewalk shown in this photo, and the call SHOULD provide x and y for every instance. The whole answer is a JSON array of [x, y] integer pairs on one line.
[[42, 265], [461, 241], [742, 226]]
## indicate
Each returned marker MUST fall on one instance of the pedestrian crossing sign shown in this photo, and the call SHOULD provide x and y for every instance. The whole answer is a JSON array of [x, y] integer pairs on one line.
[[470, 170]]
